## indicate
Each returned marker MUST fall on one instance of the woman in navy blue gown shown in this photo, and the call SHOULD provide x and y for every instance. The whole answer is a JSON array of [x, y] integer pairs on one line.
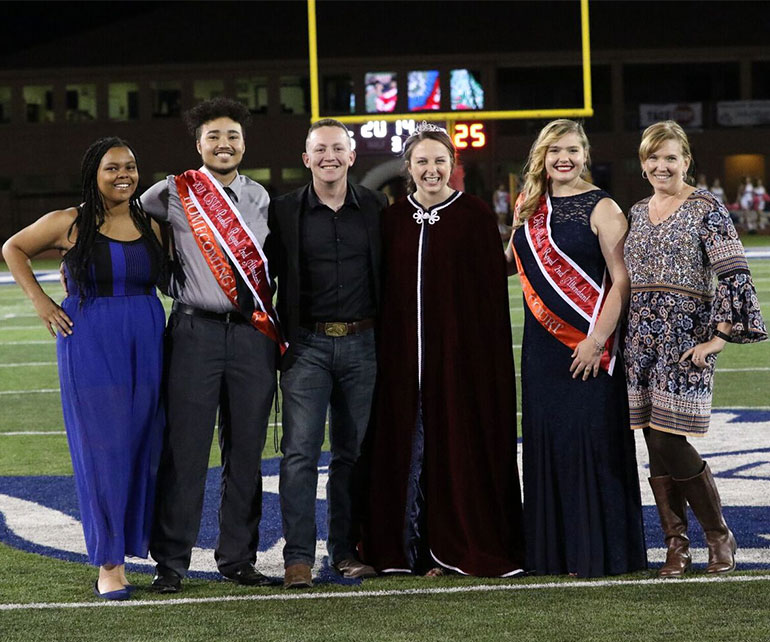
[[110, 352], [582, 506]]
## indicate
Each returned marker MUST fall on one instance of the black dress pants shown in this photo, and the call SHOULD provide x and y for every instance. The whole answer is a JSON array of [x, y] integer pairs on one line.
[[211, 362]]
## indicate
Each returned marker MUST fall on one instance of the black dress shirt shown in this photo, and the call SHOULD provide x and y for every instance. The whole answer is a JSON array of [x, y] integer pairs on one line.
[[335, 273]]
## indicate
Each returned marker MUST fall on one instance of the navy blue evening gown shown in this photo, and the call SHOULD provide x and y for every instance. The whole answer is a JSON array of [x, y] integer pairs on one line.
[[582, 506]]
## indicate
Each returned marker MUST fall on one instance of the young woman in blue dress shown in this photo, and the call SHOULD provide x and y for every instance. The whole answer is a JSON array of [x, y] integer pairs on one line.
[[109, 349]]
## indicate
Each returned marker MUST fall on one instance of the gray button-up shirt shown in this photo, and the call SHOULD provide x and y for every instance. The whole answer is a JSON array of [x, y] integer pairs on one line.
[[199, 288]]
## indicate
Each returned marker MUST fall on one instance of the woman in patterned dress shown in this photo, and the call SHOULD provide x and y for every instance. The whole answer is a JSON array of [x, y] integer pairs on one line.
[[110, 352], [680, 239], [582, 505]]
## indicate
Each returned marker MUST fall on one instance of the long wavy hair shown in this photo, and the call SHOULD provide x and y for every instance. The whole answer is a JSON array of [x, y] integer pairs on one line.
[[535, 176], [90, 217]]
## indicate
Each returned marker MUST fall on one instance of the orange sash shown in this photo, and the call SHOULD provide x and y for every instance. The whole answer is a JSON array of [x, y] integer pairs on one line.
[[567, 281], [218, 228]]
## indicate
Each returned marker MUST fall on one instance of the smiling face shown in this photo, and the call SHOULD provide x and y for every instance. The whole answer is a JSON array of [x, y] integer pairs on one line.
[[117, 176], [666, 166], [430, 165], [328, 155], [221, 146], [565, 159]]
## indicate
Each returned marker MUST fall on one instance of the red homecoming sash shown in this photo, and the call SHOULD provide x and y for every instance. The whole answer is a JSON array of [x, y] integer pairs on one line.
[[567, 280], [210, 211]]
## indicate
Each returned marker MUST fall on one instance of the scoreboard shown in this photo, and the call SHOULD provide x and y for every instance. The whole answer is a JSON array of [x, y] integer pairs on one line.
[[383, 137]]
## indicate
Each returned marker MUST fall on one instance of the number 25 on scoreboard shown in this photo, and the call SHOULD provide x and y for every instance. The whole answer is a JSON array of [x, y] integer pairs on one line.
[[469, 134]]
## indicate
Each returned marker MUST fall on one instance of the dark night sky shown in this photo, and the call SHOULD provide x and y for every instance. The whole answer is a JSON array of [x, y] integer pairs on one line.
[[46, 34]]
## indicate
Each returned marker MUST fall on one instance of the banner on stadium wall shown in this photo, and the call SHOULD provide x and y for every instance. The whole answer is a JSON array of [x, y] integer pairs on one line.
[[688, 115], [742, 113]]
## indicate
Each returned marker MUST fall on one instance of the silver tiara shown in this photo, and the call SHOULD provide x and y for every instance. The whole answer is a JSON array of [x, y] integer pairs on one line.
[[425, 126]]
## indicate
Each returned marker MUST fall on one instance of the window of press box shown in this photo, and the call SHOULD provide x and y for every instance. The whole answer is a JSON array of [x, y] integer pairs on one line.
[[5, 104], [424, 90], [252, 92], [260, 174], [295, 95], [80, 102], [293, 174], [123, 101], [465, 89], [338, 94], [520, 88], [166, 98], [760, 80], [208, 89], [381, 91], [38, 102]]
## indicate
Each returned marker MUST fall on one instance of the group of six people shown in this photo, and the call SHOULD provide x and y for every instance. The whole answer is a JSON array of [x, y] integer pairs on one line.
[[394, 320]]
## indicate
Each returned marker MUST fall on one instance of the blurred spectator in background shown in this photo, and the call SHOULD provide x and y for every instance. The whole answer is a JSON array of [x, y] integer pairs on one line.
[[717, 190], [501, 202]]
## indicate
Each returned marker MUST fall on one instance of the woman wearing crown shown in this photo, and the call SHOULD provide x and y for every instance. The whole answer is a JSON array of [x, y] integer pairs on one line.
[[444, 489]]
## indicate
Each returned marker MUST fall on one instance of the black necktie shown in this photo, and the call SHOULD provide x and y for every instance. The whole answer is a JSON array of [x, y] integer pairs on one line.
[[245, 297]]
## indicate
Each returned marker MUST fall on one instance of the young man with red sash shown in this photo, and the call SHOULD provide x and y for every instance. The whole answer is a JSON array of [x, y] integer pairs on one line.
[[223, 340], [324, 248]]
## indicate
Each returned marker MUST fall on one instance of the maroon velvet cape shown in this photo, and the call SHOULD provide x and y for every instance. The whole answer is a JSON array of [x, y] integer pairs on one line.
[[472, 493]]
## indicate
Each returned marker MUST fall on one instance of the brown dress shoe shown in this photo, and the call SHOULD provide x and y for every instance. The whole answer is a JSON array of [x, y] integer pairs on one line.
[[672, 509], [703, 497], [353, 569], [297, 576]]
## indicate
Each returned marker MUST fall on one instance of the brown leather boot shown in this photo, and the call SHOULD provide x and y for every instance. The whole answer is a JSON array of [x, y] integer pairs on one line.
[[703, 497], [672, 509]]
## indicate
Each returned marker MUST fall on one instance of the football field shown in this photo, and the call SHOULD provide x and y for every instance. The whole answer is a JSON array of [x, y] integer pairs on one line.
[[45, 582]]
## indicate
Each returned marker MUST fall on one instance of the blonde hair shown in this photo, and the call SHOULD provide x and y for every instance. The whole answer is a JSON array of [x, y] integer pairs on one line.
[[655, 135], [535, 177]]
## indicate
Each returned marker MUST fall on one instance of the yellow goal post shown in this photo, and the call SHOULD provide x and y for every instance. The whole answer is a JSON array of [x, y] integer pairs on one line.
[[566, 112]]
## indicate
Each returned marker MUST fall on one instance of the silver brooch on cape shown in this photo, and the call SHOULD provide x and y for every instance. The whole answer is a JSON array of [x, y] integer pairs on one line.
[[431, 217]]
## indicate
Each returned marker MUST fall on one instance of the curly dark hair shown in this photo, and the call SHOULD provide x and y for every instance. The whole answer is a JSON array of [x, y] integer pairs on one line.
[[211, 110], [90, 217]]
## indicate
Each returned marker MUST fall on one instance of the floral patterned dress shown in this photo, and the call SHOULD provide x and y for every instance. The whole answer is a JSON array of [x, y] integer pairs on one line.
[[675, 305]]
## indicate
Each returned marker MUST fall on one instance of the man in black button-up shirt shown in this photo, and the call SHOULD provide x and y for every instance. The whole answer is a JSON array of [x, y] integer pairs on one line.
[[324, 250]]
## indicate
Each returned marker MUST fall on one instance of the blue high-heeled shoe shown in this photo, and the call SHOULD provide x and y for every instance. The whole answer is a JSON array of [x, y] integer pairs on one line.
[[120, 594]]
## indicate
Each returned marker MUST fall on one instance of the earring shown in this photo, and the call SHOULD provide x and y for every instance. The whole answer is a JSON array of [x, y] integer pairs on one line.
[[644, 175]]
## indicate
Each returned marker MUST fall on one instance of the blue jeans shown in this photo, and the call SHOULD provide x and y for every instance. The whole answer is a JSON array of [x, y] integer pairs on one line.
[[336, 372]]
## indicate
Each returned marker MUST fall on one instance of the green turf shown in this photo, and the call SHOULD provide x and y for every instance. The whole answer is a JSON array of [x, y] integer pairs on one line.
[[673, 612], [670, 612]]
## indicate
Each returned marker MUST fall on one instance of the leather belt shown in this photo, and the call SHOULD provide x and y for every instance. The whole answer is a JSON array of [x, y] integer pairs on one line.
[[223, 317], [340, 328]]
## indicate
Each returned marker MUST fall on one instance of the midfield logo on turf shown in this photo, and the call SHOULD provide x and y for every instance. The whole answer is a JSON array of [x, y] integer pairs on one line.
[[40, 514]]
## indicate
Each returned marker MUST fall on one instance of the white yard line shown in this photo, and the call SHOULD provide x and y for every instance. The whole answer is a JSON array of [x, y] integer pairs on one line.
[[31, 326], [340, 595], [28, 364], [28, 392], [50, 341], [32, 432]]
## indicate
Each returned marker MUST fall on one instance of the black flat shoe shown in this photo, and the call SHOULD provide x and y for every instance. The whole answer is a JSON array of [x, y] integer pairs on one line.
[[166, 581], [247, 575]]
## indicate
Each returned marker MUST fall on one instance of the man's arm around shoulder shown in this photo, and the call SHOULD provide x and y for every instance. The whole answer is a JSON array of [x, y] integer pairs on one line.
[[155, 200]]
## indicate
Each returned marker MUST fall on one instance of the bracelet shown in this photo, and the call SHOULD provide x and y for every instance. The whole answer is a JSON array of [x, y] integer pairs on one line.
[[722, 335], [599, 346]]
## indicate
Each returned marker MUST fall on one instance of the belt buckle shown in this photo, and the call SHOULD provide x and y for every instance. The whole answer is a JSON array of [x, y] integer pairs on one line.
[[336, 329]]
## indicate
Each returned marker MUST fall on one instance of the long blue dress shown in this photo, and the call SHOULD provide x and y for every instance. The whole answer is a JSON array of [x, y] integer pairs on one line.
[[110, 372], [582, 506]]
